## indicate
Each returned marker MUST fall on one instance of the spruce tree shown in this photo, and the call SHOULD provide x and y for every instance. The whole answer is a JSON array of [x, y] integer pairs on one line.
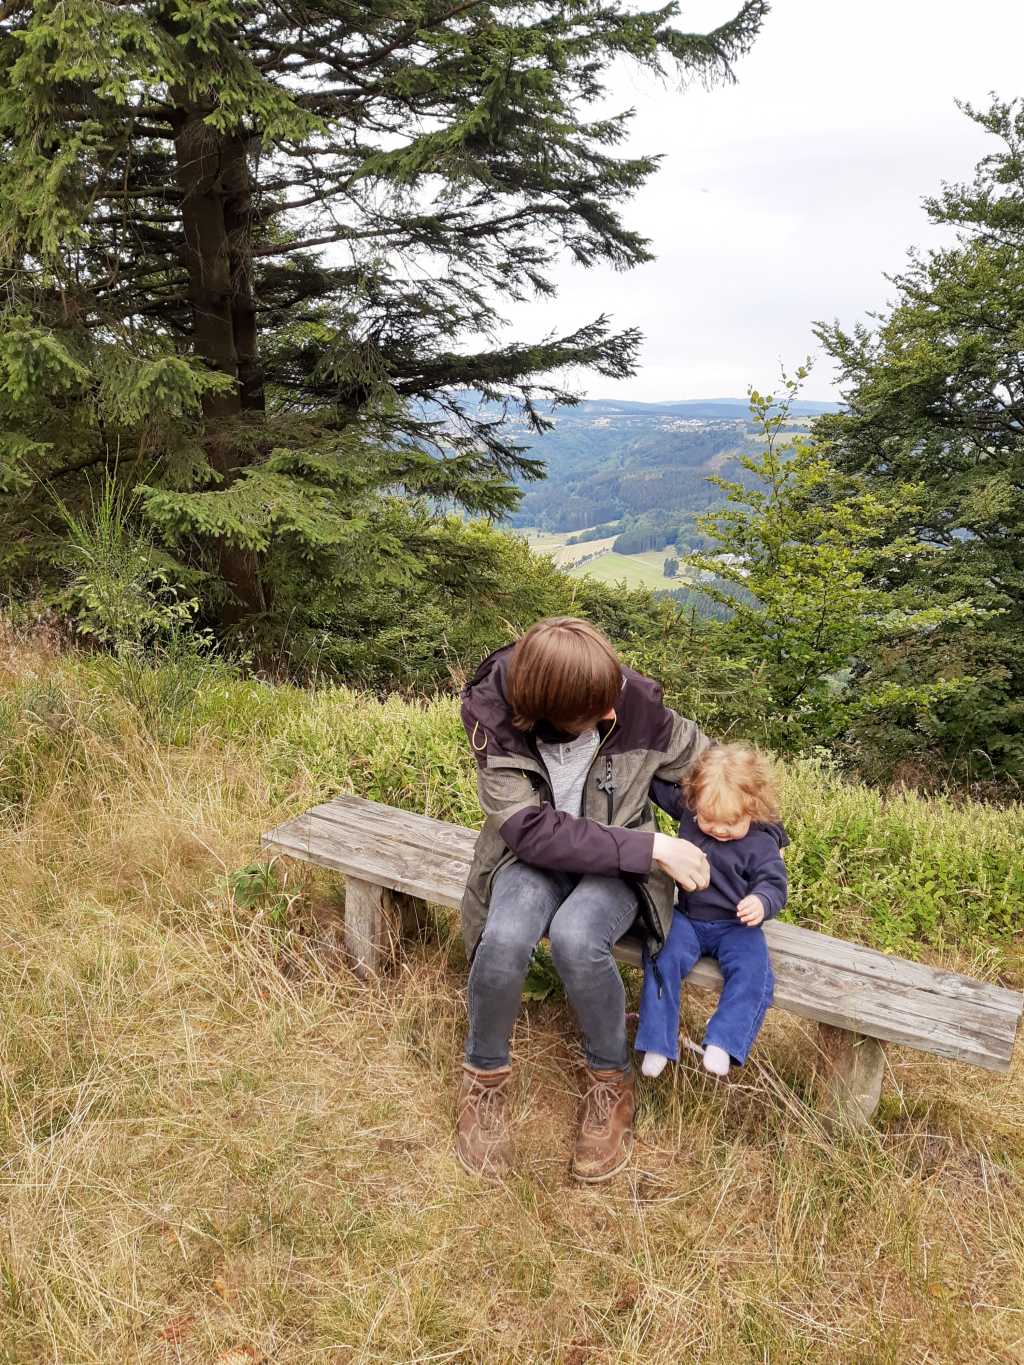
[[935, 394], [253, 257]]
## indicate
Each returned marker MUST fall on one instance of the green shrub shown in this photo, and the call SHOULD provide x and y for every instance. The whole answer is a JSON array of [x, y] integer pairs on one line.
[[898, 871], [901, 871]]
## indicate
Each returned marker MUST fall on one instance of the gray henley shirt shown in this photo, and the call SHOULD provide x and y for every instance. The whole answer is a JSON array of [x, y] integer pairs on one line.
[[568, 765]]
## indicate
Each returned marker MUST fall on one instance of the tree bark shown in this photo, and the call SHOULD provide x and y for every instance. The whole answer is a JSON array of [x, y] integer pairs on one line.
[[198, 149], [238, 225], [212, 175]]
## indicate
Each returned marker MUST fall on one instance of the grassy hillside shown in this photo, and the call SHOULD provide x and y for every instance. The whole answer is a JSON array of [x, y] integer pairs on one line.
[[637, 571], [213, 1138], [555, 544], [644, 570]]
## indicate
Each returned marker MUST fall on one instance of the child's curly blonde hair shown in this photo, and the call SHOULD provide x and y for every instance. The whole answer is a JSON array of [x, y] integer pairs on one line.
[[730, 781]]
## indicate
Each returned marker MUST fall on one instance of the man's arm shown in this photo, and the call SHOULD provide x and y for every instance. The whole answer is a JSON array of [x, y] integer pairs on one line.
[[545, 837], [684, 742]]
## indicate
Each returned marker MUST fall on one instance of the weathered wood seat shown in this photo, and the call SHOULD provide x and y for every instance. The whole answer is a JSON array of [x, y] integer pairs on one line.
[[860, 998]]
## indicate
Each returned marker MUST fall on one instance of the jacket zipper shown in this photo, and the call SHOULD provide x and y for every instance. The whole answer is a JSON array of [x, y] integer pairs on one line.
[[609, 789]]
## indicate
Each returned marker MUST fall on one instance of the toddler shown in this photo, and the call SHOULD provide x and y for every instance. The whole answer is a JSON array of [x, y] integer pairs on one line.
[[727, 806]]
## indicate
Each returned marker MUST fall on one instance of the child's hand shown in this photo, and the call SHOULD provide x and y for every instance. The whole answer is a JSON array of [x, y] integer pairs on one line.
[[751, 910]]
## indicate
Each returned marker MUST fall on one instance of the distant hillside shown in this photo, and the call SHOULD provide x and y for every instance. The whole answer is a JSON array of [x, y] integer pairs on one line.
[[702, 408], [611, 461]]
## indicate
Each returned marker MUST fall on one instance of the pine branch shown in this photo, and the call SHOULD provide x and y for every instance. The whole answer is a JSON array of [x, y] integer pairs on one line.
[[76, 468]]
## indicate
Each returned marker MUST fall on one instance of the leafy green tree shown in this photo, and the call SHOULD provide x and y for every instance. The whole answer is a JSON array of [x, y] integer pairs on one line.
[[250, 252], [935, 395], [797, 560], [671, 567]]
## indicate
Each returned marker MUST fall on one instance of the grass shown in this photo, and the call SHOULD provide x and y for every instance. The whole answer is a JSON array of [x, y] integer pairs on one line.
[[217, 1146], [636, 571]]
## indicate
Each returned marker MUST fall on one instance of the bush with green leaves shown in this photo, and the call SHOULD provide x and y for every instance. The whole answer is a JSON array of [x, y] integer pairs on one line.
[[798, 559]]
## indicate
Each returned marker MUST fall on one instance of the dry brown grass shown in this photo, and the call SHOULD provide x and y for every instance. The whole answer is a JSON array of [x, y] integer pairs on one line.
[[214, 1139]]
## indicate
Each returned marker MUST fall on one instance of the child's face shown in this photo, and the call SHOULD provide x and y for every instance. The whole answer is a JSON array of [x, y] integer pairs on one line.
[[711, 823]]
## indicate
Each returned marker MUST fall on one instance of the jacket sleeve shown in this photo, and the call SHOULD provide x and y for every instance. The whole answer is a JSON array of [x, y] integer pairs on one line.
[[545, 837], [768, 877], [684, 741], [669, 797], [554, 839]]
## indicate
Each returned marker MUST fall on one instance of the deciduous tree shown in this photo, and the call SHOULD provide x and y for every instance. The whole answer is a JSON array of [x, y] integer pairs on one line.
[[799, 560]]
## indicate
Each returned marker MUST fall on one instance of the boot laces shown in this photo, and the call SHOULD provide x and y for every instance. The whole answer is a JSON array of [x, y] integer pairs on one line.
[[486, 1103], [600, 1100]]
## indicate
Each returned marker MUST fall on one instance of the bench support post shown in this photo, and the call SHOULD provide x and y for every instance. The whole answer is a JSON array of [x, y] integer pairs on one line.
[[850, 1072], [376, 920]]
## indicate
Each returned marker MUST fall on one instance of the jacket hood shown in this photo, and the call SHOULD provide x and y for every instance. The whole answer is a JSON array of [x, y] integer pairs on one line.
[[486, 712], [777, 830], [641, 718]]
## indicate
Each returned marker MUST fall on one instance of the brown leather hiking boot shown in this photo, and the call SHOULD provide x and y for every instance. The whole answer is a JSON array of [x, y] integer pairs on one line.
[[605, 1140], [481, 1141]]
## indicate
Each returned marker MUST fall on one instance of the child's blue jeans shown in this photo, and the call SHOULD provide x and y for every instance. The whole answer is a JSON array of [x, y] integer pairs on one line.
[[742, 954]]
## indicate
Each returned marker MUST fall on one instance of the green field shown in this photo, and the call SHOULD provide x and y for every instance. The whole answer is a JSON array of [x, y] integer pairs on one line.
[[638, 571], [544, 542]]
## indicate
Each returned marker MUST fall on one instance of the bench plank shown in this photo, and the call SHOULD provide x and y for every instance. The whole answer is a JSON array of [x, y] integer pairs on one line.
[[844, 985]]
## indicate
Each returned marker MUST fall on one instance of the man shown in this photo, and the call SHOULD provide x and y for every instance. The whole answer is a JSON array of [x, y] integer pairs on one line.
[[567, 741]]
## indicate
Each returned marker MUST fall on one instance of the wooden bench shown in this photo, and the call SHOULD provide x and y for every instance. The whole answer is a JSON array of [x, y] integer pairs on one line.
[[394, 860]]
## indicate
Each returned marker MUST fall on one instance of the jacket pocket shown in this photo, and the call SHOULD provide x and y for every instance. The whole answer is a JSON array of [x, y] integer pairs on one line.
[[648, 915]]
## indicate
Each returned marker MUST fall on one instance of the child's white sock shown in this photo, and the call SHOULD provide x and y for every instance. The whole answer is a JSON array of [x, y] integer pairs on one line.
[[653, 1064], [716, 1060]]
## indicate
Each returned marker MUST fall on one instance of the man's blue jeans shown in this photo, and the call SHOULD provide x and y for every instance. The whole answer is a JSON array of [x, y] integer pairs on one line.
[[742, 954], [583, 918]]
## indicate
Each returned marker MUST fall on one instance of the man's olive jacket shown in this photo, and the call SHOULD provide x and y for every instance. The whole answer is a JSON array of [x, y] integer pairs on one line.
[[614, 836]]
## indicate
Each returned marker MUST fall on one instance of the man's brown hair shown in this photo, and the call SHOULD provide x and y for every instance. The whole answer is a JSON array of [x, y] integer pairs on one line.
[[562, 670], [729, 781]]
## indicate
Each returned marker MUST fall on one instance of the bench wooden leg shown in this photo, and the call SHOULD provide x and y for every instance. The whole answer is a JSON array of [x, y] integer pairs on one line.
[[850, 1071], [376, 920]]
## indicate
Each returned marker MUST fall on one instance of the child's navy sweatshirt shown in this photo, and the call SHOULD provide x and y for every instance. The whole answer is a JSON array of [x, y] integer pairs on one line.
[[751, 866]]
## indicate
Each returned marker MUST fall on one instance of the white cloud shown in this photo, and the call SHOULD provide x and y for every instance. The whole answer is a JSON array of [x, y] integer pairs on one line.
[[786, 197]]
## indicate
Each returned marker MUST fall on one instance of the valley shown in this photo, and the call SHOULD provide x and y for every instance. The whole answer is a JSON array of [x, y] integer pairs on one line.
[[597, 559]]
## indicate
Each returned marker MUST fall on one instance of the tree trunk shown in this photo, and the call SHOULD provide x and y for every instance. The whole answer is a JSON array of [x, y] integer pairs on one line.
[[238, 224], [212, 174], [199, 152]]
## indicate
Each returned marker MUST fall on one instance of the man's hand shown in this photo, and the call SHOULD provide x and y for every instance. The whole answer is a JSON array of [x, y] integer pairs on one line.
[[751, 910], [684, 862]]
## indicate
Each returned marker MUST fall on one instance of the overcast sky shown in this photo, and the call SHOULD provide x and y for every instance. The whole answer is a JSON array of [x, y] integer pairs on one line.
[[784, 198]]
